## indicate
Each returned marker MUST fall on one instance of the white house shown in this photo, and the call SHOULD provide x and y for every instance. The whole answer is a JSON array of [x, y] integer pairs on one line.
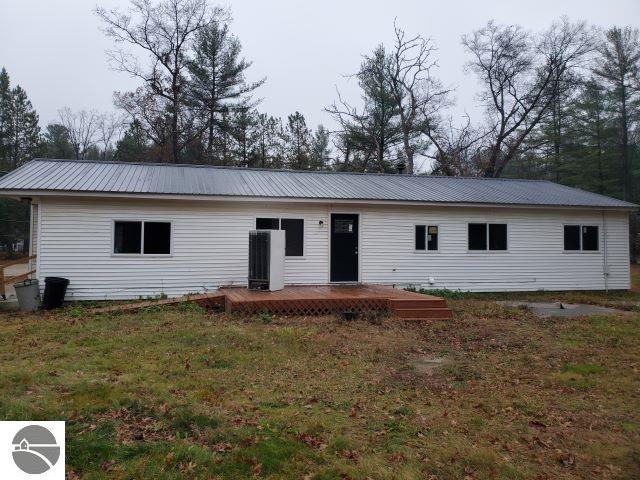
[[125, 230]]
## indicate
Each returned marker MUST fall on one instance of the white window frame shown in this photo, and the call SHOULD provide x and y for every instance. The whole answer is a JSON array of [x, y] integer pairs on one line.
[[288, 217], [141, 254], [580, 251], [426, 238], [488, 250]]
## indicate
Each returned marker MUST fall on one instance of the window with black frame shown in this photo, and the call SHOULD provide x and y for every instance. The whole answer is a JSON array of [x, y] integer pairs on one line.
[[487, 236], [585, 238], [293, 236], [135, 237]]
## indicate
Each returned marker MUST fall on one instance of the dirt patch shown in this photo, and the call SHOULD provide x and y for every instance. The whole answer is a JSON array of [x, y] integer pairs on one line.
[[559, 309], [425, 365]]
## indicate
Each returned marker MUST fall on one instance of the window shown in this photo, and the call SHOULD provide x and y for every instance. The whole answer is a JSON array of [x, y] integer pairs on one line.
[[497, 236], [432, 237], [477, 236], [483, 236], [590, 238], [127, 238], [268, 223], [581, 237], [157, 238], [147, 238], [426, 237], [420, 237], [293, 236], [572, 237]]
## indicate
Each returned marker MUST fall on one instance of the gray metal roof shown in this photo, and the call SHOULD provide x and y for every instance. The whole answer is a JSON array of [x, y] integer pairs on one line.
[[46, 175]]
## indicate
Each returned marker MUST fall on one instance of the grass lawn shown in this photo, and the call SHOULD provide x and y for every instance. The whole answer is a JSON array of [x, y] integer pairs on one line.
[[180, 393]]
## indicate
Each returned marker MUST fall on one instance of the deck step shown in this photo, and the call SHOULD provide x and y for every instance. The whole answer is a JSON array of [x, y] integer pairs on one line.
[[396, 303], [423, 313]]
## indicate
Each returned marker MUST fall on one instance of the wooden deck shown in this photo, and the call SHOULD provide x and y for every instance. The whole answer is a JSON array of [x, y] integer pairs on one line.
[[326, 299], [310, 300]]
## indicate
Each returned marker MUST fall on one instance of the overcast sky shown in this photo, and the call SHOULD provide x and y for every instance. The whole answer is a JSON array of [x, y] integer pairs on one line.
[[55, 49]]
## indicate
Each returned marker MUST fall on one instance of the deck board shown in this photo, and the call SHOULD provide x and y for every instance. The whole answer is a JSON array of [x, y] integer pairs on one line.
[[310, 300]]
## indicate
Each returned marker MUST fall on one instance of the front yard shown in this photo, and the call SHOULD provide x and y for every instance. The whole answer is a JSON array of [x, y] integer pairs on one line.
[[180, 393]]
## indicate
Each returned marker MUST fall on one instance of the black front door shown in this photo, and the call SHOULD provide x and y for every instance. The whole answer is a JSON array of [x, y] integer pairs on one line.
[[344, 247]]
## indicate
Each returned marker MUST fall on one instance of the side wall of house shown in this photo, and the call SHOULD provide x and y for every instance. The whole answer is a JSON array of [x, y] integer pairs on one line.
[[535, 258], [209, 246], [210, 243]]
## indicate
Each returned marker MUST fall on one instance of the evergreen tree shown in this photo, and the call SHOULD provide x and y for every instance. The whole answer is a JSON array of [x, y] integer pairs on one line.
[[57, 143], [269, 142], [24, 139], [133, 146], [591, 132], [6, 124], [320, 151], [372, 132], [298, 140], [218, 77], [619, 68], [242, 132]]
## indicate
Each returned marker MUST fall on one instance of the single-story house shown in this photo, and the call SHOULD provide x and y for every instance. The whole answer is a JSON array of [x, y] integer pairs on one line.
[[125, 230]]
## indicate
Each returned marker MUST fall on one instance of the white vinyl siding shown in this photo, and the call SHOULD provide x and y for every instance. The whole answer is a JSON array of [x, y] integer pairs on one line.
[[210, 245], [535, 259]]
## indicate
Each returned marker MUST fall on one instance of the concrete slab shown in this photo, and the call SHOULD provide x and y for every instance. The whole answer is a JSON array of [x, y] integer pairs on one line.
[[558, 309]]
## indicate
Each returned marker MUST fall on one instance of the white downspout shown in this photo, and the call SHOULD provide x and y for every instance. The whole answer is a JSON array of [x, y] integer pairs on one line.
[[605, 266]]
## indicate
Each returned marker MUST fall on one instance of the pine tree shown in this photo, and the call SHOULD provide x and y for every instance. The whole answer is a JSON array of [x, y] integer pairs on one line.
[[6, 124], [24, 140], [57, 143], [591, 132], [297, 139], [619, 68], [320, 150], [243, 134], [218, 82], [133, 146]]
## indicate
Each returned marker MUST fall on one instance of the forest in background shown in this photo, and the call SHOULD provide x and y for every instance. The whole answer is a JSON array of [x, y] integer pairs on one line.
[[561, 104]]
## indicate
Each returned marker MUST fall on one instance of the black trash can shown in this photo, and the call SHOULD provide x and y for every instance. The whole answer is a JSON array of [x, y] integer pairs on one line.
[[54, 290]]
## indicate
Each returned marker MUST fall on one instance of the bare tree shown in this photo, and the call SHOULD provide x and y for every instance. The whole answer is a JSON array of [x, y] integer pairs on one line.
[[517, 70], [418, 95], [457, 150], [164, 32], [82, 128], [109, 129]]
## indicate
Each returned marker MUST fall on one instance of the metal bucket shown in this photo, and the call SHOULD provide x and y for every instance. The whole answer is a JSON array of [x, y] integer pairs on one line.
[[28, 293]]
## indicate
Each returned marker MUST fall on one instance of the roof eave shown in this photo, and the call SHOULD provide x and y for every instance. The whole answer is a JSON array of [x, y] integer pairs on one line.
[[18, 194]]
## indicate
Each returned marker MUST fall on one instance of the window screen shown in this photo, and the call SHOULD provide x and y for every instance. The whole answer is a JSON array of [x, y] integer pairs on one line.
[[432, 237], [127, 237], [293, 237], [572, 237], [157, 238], [268, 223], [590, 238], [497, 236], [420, 237], [477, 236]]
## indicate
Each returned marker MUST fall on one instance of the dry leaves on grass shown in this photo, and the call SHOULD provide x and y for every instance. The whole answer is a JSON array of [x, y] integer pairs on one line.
[[132, 427]]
